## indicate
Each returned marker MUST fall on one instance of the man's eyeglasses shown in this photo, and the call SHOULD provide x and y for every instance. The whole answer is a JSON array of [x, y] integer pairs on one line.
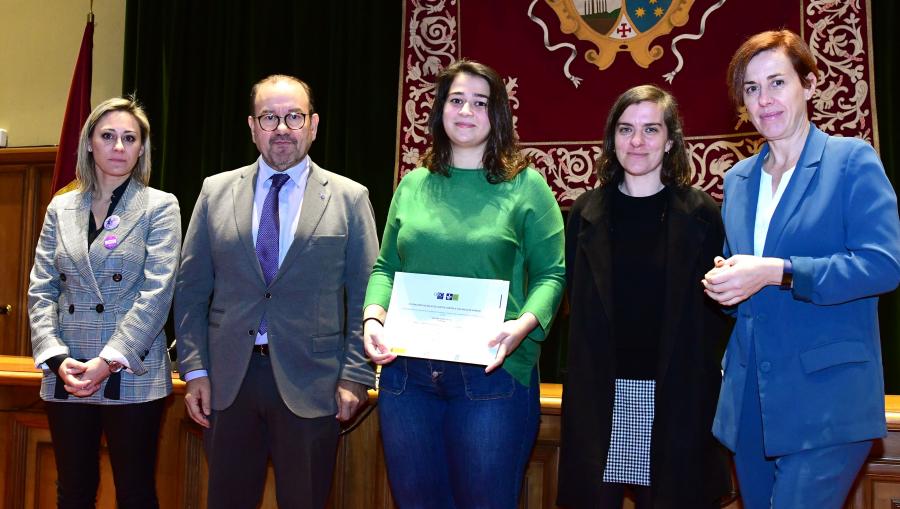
[[271, 121]]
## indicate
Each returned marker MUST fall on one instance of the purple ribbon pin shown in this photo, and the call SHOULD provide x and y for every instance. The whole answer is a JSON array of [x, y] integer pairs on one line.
[[111, 223], [110, 242]]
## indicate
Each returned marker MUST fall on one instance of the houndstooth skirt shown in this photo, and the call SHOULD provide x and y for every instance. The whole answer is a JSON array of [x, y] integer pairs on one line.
[[628, 459]]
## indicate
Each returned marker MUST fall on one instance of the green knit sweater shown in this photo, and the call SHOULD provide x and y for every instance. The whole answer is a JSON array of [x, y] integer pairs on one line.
[[464, 226]]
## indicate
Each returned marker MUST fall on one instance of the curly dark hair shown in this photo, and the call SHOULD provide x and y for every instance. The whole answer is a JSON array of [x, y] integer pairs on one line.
[[676, 169], [502, 159]]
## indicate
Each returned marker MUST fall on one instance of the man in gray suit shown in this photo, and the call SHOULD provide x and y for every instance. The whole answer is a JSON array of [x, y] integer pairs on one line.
[[268, 305]]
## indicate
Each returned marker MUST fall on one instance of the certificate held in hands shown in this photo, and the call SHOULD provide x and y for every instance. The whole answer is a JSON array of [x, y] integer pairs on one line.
[[444, 317]]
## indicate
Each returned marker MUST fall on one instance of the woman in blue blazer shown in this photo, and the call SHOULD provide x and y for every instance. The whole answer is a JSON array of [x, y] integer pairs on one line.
[[812, 239], [100, 293]]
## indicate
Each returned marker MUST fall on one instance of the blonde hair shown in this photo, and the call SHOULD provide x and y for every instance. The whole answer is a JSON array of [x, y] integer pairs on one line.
[[84, 168]]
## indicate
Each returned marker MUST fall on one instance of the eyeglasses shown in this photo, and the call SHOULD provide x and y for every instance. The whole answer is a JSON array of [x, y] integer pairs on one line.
[[270, 121]]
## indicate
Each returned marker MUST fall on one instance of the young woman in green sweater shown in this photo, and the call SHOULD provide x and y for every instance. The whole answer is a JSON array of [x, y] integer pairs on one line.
[[475, 209]]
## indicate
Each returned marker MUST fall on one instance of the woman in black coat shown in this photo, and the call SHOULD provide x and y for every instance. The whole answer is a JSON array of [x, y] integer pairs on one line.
[[644, 342]]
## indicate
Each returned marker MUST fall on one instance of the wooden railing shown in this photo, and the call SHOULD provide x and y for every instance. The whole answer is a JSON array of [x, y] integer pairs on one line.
[[360, 480], [26, 451]]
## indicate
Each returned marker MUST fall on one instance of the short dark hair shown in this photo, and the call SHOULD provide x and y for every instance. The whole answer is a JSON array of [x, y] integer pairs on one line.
[[502, 160], [785, 40], [274, 78], [676, 169]]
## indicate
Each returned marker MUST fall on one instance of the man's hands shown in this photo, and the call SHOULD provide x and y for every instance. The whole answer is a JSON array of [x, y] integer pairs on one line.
[[197, 400], [350, 397]]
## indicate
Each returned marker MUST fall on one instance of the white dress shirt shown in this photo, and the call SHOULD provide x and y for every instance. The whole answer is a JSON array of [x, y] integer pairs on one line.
[[290, 201], [766, 203]]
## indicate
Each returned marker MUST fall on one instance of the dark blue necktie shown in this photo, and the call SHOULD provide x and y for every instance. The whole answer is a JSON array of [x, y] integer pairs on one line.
[[267, 236]]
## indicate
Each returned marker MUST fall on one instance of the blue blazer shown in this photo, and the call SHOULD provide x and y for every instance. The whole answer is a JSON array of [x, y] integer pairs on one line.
[[818, 350]]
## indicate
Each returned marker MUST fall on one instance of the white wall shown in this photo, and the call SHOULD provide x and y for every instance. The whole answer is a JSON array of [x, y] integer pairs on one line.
[[39, 42]]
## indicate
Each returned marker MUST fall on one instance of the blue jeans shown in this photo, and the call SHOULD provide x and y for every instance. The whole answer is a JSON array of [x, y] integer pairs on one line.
[[455, 437]]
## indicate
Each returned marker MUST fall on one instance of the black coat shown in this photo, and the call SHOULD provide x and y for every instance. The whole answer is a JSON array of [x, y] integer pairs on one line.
[[688, 468]]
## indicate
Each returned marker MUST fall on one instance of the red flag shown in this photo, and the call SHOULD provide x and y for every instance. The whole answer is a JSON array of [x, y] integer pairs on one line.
[[78, 108]]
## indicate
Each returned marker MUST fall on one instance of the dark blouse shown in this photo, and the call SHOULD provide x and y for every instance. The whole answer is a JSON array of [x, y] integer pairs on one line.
[[638, 281], [93, 231]]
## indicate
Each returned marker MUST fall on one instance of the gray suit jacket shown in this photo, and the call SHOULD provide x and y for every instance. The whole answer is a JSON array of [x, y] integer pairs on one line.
[[133, 282], [313, 305]]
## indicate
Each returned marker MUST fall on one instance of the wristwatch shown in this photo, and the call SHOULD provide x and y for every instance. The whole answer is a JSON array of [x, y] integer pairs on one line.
[[114, 366], [787, 275]]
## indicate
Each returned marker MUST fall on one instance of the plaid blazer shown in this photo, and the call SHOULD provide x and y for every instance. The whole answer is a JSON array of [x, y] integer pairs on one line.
[[81, 299]]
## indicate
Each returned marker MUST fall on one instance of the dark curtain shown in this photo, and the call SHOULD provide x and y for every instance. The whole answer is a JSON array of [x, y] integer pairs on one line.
[[886, 40], [192, 64]]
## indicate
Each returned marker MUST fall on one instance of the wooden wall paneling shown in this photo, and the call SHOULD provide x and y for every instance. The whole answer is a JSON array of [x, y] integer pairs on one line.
[[354, 468], [360, 474], [357, 474], [40, 476], [13, 187], [180, 447], [190, 462], [25, 175], [40, 178], [539, 485], [31, 473], [881, 487], [382, 487], [19, 401], [42, 485], [268, 499], [879, 484], [17, 444]]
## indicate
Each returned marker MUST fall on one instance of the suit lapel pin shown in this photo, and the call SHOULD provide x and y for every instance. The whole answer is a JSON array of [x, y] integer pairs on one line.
[[110, 242], [112, 222]]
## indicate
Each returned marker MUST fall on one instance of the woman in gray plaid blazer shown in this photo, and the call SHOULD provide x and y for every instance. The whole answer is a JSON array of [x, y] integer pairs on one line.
[[100, 293]]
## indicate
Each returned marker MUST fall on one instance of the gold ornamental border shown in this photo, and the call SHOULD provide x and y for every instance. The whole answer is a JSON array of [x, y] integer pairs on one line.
[[837, 32]]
